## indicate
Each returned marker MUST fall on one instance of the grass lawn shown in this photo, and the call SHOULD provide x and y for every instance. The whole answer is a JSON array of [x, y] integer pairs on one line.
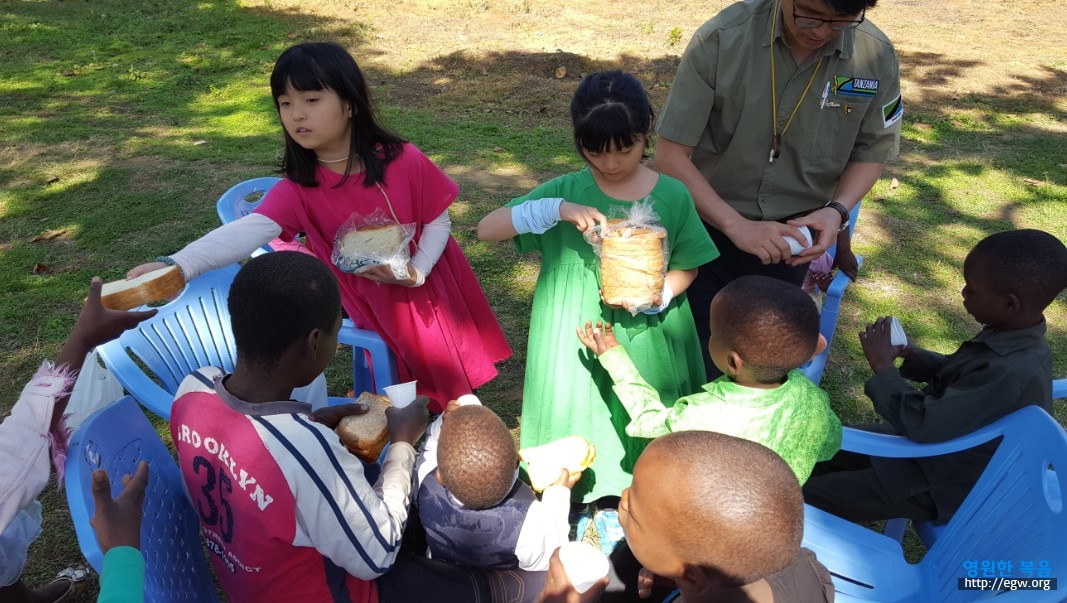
[[124, 121]]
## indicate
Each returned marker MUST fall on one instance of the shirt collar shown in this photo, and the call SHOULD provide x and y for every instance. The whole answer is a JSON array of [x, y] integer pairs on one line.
[[1005, 342], [282, 407]]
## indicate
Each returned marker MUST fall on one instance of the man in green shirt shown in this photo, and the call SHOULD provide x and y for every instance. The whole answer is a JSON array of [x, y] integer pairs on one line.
[[781, 115]]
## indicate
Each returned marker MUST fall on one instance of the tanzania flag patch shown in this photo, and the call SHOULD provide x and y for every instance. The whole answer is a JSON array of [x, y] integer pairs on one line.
[[892, 111], [854, 86]]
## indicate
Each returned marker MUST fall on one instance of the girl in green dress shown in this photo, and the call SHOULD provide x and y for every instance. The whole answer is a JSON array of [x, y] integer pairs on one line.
[[566, 391]]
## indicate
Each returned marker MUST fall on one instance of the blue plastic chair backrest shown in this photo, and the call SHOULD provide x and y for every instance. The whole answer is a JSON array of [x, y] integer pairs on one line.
[[1014, 513], [116, 438], [191, 332], [1016, 510], [243, 198]]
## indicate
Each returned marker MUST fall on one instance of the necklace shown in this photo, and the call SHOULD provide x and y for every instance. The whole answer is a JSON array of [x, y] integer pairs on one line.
[[345, 158], [776, 140]]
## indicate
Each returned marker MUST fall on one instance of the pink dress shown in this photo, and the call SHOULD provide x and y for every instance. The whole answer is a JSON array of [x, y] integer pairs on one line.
[[444, 333]]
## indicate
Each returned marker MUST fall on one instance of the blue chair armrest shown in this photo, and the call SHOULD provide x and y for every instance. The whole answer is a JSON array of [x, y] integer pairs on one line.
[[1059, 388], [828, 322], [894, 446]]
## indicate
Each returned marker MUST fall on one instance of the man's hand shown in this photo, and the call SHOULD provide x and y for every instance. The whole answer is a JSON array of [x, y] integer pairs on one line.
[[764, 239], [558, 587], [118, 522], [330, 416], [409, 423], [877, 348], [599, 339], [824, 223]]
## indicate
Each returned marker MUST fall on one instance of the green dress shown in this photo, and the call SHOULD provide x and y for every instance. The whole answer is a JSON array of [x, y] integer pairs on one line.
[[566, 390]]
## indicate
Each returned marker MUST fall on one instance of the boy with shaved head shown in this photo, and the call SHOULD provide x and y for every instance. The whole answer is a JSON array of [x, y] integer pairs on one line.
[[743, 521], [762, 330], [474, 509]]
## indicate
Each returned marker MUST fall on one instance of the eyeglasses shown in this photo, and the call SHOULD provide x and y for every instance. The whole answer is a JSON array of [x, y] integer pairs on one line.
[[835, 24]]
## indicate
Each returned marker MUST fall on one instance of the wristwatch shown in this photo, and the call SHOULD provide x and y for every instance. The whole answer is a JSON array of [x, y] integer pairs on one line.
[[841, 210]]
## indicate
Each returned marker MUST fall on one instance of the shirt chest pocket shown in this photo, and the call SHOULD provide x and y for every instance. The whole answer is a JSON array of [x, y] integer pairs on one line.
[[836, 126]]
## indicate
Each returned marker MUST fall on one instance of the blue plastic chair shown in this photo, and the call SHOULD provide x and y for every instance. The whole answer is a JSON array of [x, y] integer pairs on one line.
[[831, 307], [1014, 513], [242, 199], [116, 438], [193, 331], [245, 197], [1059, 389]]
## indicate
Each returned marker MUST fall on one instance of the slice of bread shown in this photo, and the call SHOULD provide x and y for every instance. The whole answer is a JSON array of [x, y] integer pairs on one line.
[[145, 289], [366, 435], [545, 462], [373, 241]]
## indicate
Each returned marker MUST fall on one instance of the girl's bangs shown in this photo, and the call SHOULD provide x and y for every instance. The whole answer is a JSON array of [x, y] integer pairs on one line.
[[301, 72], [607, 125]]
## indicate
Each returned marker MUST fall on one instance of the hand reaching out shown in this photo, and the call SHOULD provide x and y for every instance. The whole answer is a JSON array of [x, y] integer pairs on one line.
[[599, 339], [117, 522]]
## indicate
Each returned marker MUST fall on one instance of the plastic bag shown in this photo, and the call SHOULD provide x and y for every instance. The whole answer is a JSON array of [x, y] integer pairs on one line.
[[373, 240], [95, 388], [633, 254]]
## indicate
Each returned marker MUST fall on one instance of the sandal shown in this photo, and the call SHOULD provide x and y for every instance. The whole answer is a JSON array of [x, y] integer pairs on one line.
[[76, 577]]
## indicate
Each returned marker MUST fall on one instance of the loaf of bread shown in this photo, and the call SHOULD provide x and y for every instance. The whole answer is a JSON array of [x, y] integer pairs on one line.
[[145, 289], [544, 463], [372, 242], [366, 435], [632, 265]]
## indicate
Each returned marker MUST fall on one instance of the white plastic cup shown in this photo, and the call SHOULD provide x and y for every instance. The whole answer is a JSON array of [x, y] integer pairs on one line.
[[896, 332], [401, 394], [468, 399], [585, 564], [794, 245]]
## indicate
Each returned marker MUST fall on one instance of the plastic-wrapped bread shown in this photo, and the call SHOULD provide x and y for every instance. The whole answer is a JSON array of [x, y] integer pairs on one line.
[[367, 434], [373, 241], [632, 265], [149, 287]]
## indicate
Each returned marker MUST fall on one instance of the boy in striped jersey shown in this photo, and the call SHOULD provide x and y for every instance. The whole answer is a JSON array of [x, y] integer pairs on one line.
[[285, 510]]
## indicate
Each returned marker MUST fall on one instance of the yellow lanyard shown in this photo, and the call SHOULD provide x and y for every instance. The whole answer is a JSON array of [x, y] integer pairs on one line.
[[776, 141]]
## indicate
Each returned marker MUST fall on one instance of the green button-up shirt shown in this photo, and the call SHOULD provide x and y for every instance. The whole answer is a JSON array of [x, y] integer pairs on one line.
[[794, 419], [720, 104]]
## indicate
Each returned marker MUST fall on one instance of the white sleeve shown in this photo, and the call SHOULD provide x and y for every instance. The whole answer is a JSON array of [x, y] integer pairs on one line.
[[226, 244], [432, 244], [544, 530], [427, 459], [338, 513], [24, 440]]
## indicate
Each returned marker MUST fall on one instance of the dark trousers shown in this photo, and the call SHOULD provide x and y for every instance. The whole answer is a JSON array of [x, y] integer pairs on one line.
[[732, 263], [414, 578], [848, 486]]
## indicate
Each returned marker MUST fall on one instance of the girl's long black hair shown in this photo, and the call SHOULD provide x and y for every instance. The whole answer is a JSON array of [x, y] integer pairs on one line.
[[319, 65]]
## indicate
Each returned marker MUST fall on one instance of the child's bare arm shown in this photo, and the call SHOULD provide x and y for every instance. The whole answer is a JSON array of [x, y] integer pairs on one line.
[[844, 259], [497, 225]]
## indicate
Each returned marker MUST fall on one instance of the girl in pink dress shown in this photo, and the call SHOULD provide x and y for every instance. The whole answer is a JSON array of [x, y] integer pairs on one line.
[[338, 161]]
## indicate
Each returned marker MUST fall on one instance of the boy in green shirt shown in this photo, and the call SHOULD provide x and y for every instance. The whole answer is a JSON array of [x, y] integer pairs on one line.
[[762, 330]]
